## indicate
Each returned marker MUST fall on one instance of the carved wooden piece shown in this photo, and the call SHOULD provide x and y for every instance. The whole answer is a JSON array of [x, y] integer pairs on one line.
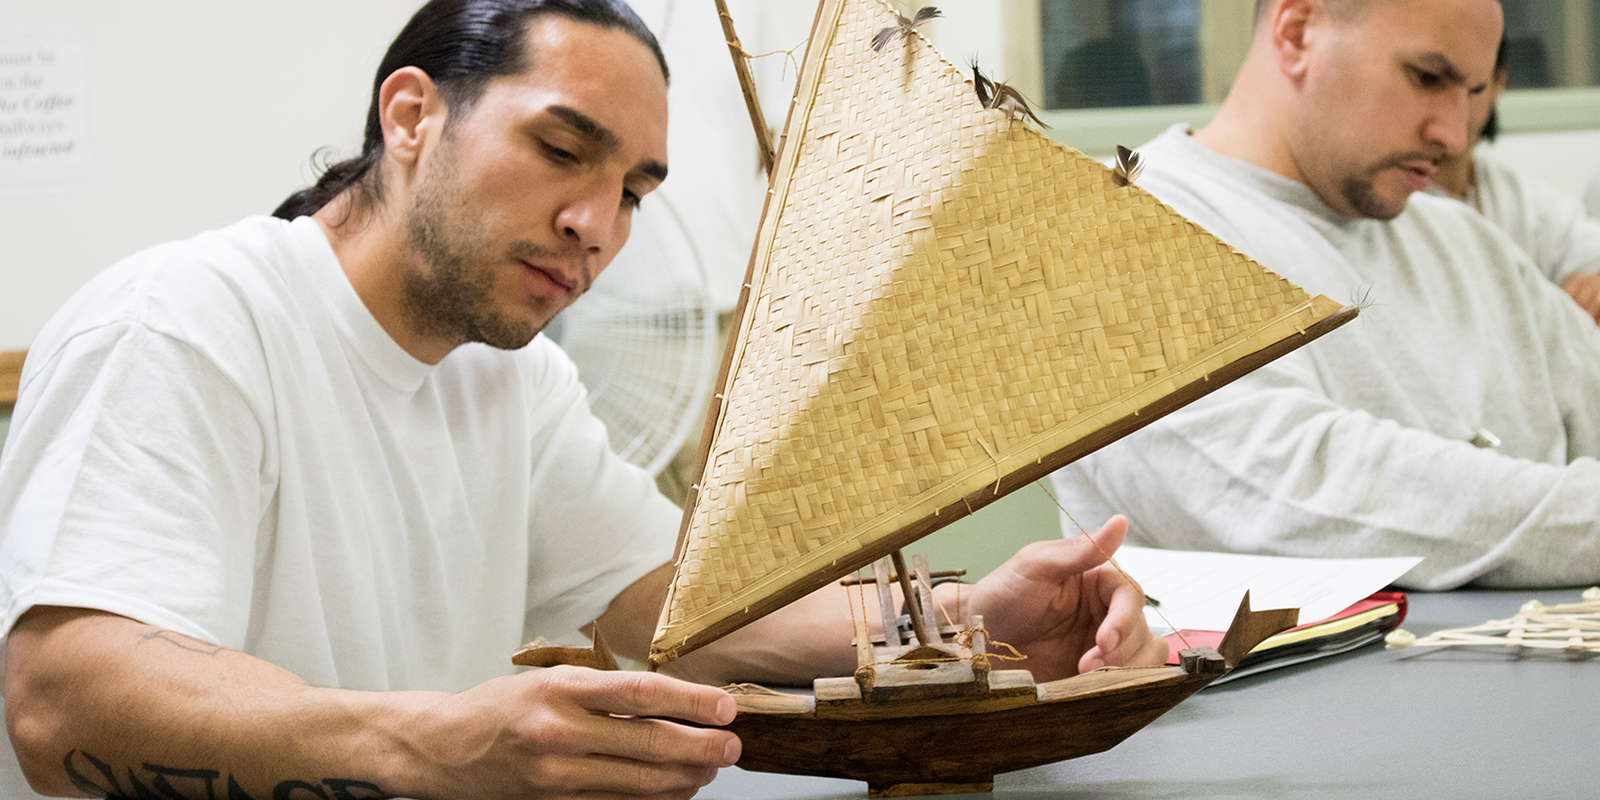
[[924, 584], [891, 627], [920, 789], [1251, 628], [911, 601], [851, 580], [540, 654], [979, 642], [948, 736], [864, 648], [958, 741]]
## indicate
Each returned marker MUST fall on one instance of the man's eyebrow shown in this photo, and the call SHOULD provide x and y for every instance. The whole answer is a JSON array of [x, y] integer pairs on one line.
[[586, 126], [1435, 61], [654, 169], [590, 128]]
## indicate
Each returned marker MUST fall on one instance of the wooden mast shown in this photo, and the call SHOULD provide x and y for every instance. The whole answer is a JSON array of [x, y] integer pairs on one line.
[[747, 84], [912, 600]]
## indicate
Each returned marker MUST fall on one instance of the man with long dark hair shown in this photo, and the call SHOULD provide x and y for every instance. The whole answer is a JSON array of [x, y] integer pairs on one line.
[[280, 500]]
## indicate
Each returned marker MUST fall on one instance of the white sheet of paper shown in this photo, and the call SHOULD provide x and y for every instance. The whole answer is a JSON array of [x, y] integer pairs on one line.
[[1201, 591]]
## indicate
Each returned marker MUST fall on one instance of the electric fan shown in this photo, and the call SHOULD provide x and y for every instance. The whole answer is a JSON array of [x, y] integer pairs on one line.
[[644, 338]]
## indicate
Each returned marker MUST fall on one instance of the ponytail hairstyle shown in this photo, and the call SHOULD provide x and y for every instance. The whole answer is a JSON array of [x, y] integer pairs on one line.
[[461, 45]]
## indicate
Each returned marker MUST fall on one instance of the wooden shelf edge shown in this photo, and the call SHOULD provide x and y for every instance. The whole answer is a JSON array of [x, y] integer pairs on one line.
[[10, 375]]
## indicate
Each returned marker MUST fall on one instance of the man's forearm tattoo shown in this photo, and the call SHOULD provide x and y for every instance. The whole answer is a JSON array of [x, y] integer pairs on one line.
[[189, 643], [151, 782]]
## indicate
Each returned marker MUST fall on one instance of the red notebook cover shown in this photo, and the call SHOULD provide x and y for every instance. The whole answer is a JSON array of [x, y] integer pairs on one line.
[[1214, 638]]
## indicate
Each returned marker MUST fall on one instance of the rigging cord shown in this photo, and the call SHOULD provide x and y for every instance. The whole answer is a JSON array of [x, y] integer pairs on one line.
[[861, 594], [788, 61], [1109, 559]]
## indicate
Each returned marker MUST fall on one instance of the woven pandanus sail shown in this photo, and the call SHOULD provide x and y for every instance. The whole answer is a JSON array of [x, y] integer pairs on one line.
[[943, 305]]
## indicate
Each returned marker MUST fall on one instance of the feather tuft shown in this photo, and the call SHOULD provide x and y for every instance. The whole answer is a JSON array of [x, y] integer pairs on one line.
[[903, 27], [1127, 168], [999, 95]]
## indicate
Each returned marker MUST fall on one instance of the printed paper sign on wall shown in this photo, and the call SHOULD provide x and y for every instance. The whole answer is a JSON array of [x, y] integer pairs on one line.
[[43, 141]]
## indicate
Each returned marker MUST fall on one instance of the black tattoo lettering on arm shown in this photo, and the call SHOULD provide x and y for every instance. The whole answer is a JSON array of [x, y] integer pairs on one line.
[[288, 789], [87, 786], [352, 790], [161, 780], [153, 782]]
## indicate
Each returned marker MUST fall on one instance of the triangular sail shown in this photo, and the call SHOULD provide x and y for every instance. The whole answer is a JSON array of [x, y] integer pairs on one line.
[[944, 305]]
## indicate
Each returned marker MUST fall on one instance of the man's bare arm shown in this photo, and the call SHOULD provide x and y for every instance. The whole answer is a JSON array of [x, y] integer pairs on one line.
[[1584, 289], [1055, 600], [99, 704]]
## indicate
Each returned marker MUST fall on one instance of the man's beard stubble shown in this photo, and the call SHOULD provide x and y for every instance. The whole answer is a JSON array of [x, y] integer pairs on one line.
[[453, 298], [1358, 191]]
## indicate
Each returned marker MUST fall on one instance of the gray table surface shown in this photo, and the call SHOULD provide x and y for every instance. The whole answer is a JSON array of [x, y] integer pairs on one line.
[[1414, 723]]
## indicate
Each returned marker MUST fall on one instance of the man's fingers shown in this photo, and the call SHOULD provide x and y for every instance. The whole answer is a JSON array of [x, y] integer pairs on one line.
[[1091, 660], [662, 741], [1109, 537], [646, 694], [684, 794], [1123, 632], [1586, 296], [1585, 291], [606, 776], [1053, 560], [625, 725]]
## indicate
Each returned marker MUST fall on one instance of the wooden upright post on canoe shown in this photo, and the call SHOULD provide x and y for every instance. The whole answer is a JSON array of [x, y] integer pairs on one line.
[[912, 600], [930, 612], [882, 576], [891, 627], [865, 676], [747, 83]]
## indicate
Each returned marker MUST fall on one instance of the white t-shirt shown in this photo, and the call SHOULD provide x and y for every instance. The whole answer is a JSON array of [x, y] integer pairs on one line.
[[1591, 195], [1359, 444], [1548, 224], [214, 436]]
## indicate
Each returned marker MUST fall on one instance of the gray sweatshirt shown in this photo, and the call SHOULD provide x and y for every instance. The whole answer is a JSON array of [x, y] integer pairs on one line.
[[1376, 440], [1549, 225]]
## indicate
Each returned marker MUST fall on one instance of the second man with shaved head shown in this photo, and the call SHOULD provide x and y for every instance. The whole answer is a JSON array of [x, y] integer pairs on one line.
[[1459, 418]]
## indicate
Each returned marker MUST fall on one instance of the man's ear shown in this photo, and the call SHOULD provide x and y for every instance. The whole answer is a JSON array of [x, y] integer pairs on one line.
[[1290, 27], [1502, 76], [410, 111]]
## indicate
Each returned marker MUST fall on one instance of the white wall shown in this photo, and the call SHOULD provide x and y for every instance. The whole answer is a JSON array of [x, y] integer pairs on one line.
[[968, 29], [1565, 159], [199, 112]]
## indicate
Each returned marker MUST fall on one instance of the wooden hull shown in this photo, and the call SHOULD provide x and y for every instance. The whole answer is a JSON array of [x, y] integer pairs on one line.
[[944, 746]]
